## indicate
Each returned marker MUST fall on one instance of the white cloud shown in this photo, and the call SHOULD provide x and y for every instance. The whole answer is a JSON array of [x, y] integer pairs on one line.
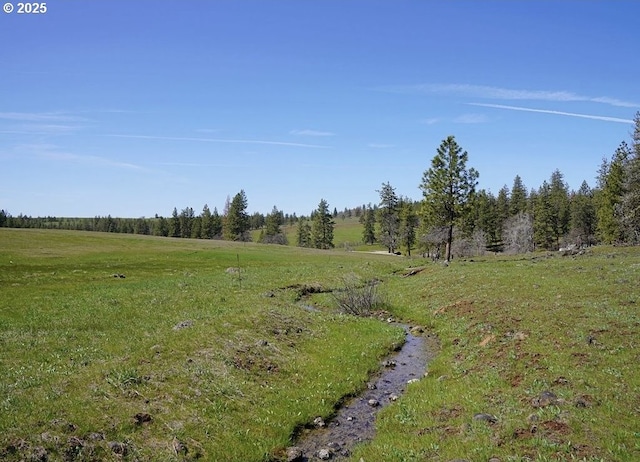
[[430, 121], [546, 111], [471, 119], [488, 92], [40, 117], [52, 153], [216, 140], [308, 132], [380, 145]]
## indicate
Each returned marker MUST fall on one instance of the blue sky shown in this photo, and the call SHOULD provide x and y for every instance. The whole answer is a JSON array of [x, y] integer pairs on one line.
[[131, 108]]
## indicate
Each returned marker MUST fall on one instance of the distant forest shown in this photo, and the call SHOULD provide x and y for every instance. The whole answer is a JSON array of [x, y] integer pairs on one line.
[[452, 219]]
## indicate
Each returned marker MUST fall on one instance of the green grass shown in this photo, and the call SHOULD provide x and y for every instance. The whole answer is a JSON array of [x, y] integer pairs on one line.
[[511, 328], [83, 352], [92, 366]]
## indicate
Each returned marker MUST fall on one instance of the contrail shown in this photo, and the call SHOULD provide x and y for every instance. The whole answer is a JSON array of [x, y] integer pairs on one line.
[[547, 111]]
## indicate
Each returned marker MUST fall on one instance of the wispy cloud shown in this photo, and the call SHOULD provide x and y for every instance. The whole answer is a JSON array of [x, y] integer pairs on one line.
[[546, 111], [489, 92], [471, 119], [52, 152], [308, 132], [216, 140], [41, 117], [380, 145], [430, 121]]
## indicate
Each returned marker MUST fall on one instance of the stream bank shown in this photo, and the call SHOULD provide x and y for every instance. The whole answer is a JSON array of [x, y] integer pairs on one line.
[[354, 422]]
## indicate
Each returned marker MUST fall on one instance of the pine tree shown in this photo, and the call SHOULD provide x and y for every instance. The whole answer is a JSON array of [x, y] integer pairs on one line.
[[408, 223], [236, 224], [174, 224], [369, 222], [448, 188], [544, 222], [611, 184], [388, 219], [216, 224], [272, 234], [303, 236], [559, 202], [186, 222], [322, 228], [583, 216], [206, 223], [518, 202], [629, 209]]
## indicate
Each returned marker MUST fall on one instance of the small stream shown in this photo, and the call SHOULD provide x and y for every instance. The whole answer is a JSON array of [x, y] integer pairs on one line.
[[355, 421]]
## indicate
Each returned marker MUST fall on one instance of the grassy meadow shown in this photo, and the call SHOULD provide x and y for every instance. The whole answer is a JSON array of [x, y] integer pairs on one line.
[[209, 350]]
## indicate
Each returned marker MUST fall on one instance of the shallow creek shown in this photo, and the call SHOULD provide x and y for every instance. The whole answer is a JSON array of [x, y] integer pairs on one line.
[[355, 421]]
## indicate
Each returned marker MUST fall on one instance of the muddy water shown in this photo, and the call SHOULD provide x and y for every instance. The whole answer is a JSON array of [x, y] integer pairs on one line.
[[355, 421]]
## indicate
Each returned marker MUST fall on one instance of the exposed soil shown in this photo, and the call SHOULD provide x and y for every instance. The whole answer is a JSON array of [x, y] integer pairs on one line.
[[355, 421]]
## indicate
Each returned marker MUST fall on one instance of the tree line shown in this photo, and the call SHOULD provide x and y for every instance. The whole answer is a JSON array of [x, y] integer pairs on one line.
[[453, 217]]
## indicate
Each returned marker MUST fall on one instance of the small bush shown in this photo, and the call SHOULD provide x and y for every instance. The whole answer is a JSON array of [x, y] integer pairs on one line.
[[357, 298]]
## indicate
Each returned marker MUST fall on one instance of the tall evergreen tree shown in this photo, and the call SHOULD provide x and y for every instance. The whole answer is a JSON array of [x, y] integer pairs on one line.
[[388, 218], [611, 185], [322, 227], [369, 228], [216, 224], [206, 223], [272, 233], [174, 224], [544, 222], [408, 219], [186, 221], [583, 216], [448, 188], [518, 202], [559, 202], [303, 235], [629, 209], [236, 225]]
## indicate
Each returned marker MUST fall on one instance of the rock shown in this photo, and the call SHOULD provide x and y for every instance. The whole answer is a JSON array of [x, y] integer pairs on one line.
[[486, 418], [294, 454], [324, 454], [388, 363], [183, 325], [412, 381], [371, 386], [519, 336], [546, 398], [142, 418], [319, 422], [373, 402], [393, 397], [118, 448]]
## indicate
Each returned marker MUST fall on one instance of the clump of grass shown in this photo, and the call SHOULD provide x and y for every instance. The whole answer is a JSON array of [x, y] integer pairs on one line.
[[358, 298]]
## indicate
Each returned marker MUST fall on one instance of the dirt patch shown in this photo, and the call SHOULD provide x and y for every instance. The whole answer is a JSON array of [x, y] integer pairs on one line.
[[459, 307]]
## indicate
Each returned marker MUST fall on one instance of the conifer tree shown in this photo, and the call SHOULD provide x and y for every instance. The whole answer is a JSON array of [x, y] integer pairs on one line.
[[518, 202], [303, 236], [448, 188], [611, 183], [174, 224], [583, 216], [206, 223], [236, 225], [216, 224], [388, 219], [408, 219], [322, 227], [369, 222]]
